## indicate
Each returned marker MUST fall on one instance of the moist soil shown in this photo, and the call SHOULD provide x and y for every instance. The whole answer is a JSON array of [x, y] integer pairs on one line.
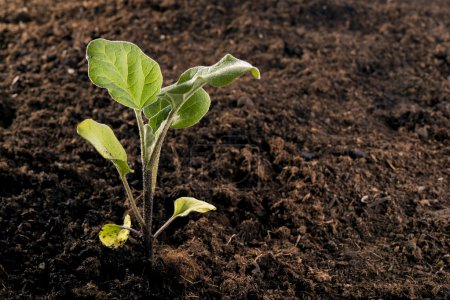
[[330, 174]]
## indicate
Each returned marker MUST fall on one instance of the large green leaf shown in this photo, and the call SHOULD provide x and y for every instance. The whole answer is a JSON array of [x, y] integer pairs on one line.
[[105, 142], [131, 77], [114, 236], [186, 205]]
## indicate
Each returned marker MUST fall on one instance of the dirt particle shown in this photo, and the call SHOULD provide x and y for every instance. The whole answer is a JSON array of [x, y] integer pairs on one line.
[[7, 113]]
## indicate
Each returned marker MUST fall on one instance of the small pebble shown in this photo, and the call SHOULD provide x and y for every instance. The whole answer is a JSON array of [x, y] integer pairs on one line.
[[422, 133], [15, 80], [307, 155], [420, 189], [331, 246], [355, 153], [364, 199], [245, 102]]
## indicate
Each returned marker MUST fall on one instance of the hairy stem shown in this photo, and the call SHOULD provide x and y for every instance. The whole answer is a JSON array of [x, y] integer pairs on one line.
[[147, 193], [136, 212], [148, 211], [140, 122], [150, 178], [154, 158]]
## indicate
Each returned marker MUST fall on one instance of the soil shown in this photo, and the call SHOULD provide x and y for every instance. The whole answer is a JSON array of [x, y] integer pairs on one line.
[[331, 174]]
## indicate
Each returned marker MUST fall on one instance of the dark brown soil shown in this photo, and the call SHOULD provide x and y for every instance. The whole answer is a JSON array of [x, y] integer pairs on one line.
[[330, 174]]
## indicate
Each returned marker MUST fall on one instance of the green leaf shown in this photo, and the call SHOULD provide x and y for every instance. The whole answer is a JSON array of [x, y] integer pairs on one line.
[[189, 114], [186, 205], [193, 110], [223, 73], [114, 236], [131, 77], [149, 142], [153, 109], [156, 121], [149, 136], [156, 113], [105, 142], [187, 97]]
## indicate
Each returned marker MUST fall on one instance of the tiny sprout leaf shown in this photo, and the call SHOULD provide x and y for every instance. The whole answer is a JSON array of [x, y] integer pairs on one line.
[[149, 136], [131, 77], [114, 236], [193, 110], [105, 142], [149, 141], [186, 205]]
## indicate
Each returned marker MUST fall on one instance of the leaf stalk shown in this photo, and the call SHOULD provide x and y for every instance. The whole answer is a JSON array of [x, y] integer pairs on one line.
[[132, 201], [138, 233], [160, 230]]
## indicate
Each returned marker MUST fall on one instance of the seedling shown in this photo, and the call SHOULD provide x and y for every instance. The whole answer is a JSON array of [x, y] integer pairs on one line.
[[134, 80]]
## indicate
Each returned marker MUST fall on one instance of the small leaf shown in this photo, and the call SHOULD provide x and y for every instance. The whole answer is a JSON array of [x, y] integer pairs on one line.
[[156, 121], [114, 236], [193, 110], [149, 136], [105, 142], [189, 114], [157, 112], [149, 141], [131, 77], [154, 108], [186, 205]]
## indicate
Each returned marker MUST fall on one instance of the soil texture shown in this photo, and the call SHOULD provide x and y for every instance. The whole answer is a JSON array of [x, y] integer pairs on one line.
[[331, 174]]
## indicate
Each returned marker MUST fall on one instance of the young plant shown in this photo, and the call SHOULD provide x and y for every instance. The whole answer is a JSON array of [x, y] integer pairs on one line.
[[134, 80]]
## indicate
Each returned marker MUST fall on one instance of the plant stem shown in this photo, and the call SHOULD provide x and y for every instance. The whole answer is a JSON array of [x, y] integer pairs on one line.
[[151, 177], [148, 211], [147, 193], [158, 232], [132, 202], [154, 158]]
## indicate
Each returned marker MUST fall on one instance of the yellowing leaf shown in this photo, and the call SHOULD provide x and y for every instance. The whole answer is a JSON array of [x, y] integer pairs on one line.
[[105, 142], [186, 205], [114, 236]]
